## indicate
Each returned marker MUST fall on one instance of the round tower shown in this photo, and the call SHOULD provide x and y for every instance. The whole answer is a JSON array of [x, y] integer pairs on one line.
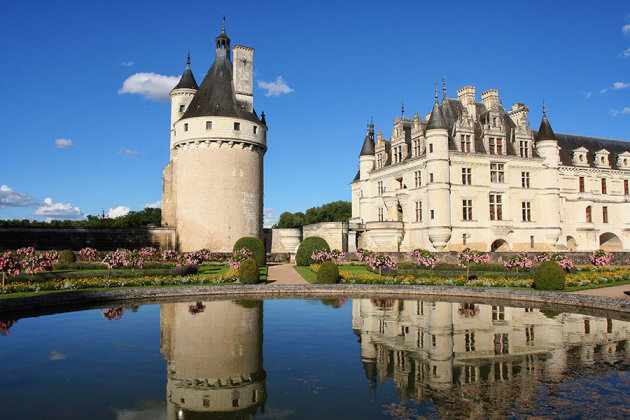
[[438, 188], [217, 149]]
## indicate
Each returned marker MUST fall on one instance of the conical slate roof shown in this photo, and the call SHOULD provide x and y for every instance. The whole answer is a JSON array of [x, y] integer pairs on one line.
[[188, 80], [436, 121], [368, 146], [545, 132], [215, 96]]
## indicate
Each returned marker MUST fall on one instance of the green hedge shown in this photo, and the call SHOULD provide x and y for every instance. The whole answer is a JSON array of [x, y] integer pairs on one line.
[[256, 246], [328, 273], [248, 272], [308, 245], [67, 256], [549, 276]]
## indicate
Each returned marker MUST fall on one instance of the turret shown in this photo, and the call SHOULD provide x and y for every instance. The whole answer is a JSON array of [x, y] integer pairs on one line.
[[546, 142], [438, 194], [366, 157], [182, 94]]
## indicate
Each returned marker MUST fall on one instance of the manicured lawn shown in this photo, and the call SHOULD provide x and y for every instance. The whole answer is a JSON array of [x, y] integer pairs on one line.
[[307, 274]]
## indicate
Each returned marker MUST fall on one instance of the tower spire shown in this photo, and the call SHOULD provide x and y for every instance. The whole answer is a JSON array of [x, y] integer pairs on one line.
[[223, 27], [402, 108], [443, 87], [436, 93], [544, 109], [188, 59]]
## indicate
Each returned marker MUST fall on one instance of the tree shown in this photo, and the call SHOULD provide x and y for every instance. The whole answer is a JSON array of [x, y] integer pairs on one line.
[[336, 211]]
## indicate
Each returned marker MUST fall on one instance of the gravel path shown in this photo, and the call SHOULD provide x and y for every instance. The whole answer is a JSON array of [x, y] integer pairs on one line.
[[284, 274], [614, 291]]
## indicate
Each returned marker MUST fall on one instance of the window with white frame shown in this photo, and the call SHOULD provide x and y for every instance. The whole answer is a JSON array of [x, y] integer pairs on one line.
[[418, 178], [418, 211], [379, 161], [497, 172], [380, 214], [496, 206], [379, 187], [526, 208], [525, 179], [466, 176], [524, 148], [467, 210], [465, 142], [417, 151], [495, 145]]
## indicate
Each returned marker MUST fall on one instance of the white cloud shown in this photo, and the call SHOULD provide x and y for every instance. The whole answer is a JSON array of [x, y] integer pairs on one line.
[[620, 85], [615, 112], [127, 63], [626, 29], [8, 197], [276, 88], [269, 217], [150, 85], [587, 95], [63, 143], [625, 53], [128, 152], [56, 355], [156, 205], [117, 212], [52, 210], [603, 91]]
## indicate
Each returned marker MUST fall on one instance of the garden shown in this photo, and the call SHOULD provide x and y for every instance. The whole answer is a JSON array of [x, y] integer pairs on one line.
[[26, 271], [544, 271]]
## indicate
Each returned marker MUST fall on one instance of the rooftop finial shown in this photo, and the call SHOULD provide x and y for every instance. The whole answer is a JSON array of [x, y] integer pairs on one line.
[[444, 87], [402, 108], [262, 118], [436, 94], [223, 28], [544, 109], [188, 59]]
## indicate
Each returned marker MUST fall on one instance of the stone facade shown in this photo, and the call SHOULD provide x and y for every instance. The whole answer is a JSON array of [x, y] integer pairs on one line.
[[213, 184], [473, 174]]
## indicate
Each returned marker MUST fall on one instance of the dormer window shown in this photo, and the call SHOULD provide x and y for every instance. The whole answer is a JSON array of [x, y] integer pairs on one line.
[[579, 156], [524, 148], [623, 160], [601, 159], [495, 145], [465, 143]]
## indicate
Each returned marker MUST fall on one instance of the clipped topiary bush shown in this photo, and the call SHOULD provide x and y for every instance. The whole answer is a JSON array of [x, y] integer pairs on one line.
[[306, 249], [328, 273], [248, 272], [549, 276], [255, 245], [67, 256]]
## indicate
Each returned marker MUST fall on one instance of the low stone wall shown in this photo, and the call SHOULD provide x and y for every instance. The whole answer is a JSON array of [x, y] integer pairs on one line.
[[499, 257], [104, 239], [335, 233]]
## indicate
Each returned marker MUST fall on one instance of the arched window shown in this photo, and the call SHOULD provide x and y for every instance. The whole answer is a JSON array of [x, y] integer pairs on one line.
[[589, 214]]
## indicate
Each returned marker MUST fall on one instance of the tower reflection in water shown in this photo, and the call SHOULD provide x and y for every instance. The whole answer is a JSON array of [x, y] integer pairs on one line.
[[479, 359], [214, 359]]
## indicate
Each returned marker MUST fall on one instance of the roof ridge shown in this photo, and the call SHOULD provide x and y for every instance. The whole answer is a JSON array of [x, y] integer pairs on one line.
[[592, 137]]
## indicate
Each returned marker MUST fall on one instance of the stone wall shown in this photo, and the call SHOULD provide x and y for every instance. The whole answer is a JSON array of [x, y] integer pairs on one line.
[[335, 233], [104, 239]]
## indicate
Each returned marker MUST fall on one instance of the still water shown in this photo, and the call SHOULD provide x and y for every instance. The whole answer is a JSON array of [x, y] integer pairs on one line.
[[362, 358]]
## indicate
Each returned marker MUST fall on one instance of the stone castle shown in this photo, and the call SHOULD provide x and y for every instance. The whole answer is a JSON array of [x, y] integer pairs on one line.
[[212, 192], [473, 174]]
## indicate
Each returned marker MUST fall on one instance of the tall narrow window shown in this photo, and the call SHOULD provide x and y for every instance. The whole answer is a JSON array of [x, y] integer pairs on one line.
[[182, 108], [625, 187], [380, 214], [531, 241], [237, 126], [255, 129], [431, 148], [589, 214], [492, 146], [497, 172], [524, 148], [399, 183], [418, 211], [379, 161], [379, 187], [501, 343], [603, 185], [525, 179], [466, 176], [465, 142], [499, 146], [430, 177], [526, 207], [495, 146], [418, 178], [496, 207], [581, 184], [605, 214], [470, 341], [208, 125], [432, 214], [467, 210], [185, 126]]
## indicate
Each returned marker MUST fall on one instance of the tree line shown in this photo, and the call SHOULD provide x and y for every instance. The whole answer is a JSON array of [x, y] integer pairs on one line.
[[336, 211], [142, 218]]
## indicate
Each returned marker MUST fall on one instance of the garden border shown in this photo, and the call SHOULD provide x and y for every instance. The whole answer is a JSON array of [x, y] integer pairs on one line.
[[563, 302]]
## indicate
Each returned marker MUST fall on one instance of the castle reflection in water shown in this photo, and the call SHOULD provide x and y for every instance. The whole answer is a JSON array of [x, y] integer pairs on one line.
[[468, 359], [214, 359]]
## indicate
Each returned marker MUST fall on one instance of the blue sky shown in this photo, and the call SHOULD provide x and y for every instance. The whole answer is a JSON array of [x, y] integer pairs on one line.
[[73, 143]]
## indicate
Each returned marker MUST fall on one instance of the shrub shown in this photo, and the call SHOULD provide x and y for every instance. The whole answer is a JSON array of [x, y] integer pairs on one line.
[[255, 245], [549, 276], [304, 254], [328, 273], [67, 256], [248, 272], [185, 270]]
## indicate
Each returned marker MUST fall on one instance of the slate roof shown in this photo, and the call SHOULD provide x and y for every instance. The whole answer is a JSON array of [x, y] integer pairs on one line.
[[437, 120], [187, 80], [545, 132], [570, 142], [368, 146], [215, 96]]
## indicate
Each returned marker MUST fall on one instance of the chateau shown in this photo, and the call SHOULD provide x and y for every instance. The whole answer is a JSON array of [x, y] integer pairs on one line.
[[212, 192], [472, 174]]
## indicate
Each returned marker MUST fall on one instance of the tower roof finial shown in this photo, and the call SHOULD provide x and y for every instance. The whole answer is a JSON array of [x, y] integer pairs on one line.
[[436, 92], [188, 59], [544, 108], [402, 108], [444, 87], [223, 27]]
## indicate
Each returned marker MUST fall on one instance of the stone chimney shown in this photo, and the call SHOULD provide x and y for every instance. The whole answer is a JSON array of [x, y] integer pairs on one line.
[[466, 96], [243, 76], [490, 98]]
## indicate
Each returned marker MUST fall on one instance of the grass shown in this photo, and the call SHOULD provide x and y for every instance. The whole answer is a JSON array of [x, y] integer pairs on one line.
[[306, 273]]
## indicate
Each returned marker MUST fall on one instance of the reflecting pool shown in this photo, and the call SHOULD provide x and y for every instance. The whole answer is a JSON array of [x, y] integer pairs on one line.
[[361, 358]]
